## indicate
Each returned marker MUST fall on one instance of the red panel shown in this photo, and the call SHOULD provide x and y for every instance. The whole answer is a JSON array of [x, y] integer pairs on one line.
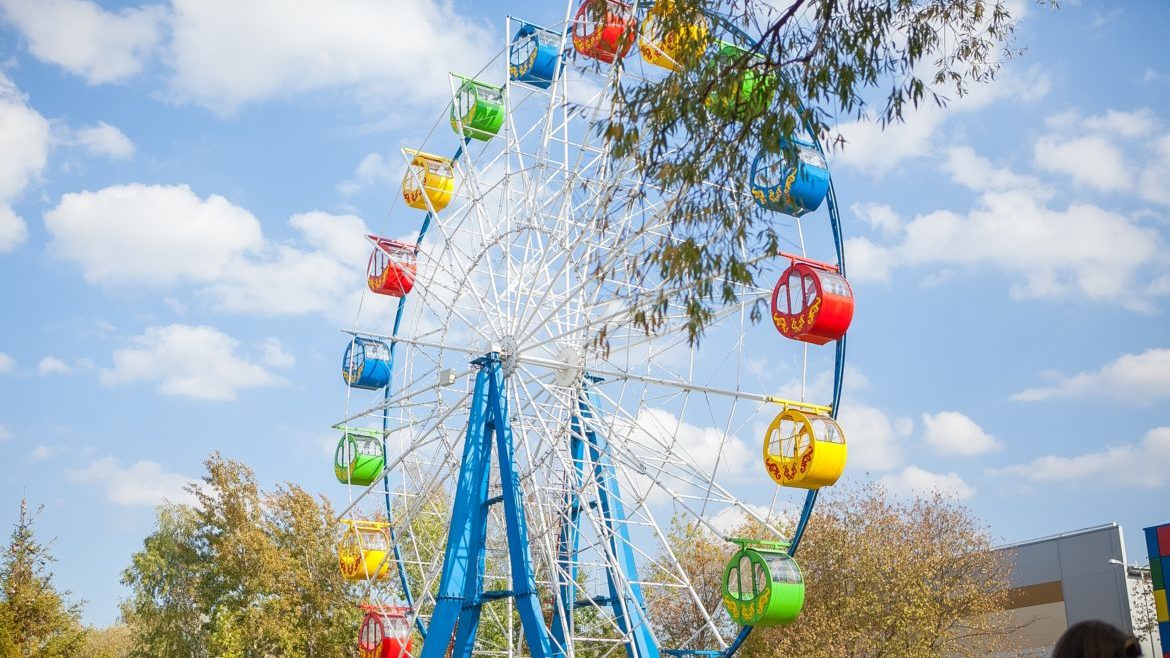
[[1164, 540], [606, 39], [825, 318]]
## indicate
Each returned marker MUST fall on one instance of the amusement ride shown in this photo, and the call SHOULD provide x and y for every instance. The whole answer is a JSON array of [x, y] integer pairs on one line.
[[518, 449]]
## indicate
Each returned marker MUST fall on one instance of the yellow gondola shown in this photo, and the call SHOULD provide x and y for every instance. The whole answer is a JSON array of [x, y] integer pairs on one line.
[[429, 181], [682, 44], [804, 449], [363, 553]]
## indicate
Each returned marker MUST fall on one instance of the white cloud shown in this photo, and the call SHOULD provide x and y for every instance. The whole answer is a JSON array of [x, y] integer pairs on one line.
[[373, 169], [877, 150], [51, 365], [702, 446], [876, 443], [1139, 123], [24, 143], [5, 434], [275, 356], [1118, 151], [119, 238], [1092, 161], [879, 216], [1128, 465], [653, 432], [289, 280], [85, 39], [732, 517], [1140, 378], [1154, 184], [7, 363], [141, 483], [868, 261], [13, 230], [150, 234], [971, 170], [192, 361], [269, 48], [46, 452], [952, 433], [1055, 252], [914, 481], [104, 140]]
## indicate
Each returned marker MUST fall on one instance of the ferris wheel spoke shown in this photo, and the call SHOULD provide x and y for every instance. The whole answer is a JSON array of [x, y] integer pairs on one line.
[[685, 470], [648, 559], [605, 534], [417, 444], [458, 281], [484, 224]]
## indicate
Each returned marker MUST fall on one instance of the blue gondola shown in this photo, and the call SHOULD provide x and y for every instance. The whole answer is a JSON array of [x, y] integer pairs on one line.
[[366, 363], [534, 57], [793, 190]]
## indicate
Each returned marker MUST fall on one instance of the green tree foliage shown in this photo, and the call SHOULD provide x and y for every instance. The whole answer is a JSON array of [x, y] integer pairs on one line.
[[693, 133], [241, 573], [164, 608], [884, 577], [111, 642], [36, 621]]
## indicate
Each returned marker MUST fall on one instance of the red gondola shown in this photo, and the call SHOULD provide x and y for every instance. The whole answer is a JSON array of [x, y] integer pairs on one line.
[[604, 29], [385, 632], [392, 267], [812, 302]]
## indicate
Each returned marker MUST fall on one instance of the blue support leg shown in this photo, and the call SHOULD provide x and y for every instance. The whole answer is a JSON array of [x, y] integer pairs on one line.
[[523, 578], [568, 541], [461, 596], [629, 606], [465, 541]]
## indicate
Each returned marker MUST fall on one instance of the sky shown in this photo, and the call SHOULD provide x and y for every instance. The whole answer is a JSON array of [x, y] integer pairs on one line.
[[184, 186]]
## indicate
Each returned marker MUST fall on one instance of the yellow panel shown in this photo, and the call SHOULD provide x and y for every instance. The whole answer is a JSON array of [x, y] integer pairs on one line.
[[818, 464], [664, 50], [827, 464], [1160, 605], [428, 182]]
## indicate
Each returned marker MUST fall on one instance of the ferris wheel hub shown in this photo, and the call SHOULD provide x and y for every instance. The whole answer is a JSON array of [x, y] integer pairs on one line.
[[509, 349], [573, 358]]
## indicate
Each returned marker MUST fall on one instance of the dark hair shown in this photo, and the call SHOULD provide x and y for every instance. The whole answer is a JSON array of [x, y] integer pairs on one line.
[[1095, 639]]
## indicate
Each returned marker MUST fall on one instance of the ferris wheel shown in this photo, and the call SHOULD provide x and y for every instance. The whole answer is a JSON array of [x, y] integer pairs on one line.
[[518, 450]]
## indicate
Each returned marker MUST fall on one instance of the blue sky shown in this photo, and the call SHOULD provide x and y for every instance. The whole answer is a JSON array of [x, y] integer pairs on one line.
[[184, 185]]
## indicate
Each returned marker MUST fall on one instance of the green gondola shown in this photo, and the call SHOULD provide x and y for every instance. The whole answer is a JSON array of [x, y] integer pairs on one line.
[[479, 108], [750, 97], [359, 459], [762, 584]]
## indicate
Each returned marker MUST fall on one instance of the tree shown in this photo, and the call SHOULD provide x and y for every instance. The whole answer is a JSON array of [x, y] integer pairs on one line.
[[164, 609], [883, 578], [702, 557], [111, 642], [692, 134], [36, 621], [1141, 595], [242, 573]]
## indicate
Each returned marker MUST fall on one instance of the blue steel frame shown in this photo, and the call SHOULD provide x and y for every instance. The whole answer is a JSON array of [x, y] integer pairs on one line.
[[461, 596], [625, 594], [627, 608]]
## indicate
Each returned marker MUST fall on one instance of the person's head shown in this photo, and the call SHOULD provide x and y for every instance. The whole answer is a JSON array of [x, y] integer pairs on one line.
[[1095, 639]]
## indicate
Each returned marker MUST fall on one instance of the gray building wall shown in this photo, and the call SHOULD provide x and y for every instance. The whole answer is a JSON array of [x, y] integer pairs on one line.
[[1074, 579]]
